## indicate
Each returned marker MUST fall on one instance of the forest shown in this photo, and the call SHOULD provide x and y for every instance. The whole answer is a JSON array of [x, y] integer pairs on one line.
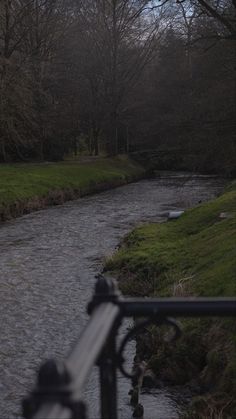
[[118, 76]]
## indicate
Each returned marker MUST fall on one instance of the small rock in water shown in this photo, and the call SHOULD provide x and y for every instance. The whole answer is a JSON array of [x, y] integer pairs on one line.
[[134, 396], [138, 411], [173, 215], [149, 379]]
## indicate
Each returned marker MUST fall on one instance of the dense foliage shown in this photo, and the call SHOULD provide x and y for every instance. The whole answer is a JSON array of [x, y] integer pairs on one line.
[[114, 76]]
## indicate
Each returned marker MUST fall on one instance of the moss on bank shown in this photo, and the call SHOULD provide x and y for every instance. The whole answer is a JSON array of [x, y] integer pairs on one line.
[[28, 187], [194, 255]]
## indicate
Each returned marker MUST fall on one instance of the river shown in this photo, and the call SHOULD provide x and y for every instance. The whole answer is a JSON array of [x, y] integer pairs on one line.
[[48, 263]]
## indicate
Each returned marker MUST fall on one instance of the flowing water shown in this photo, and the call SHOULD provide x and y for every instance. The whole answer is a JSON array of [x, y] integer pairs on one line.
[[48, 262]]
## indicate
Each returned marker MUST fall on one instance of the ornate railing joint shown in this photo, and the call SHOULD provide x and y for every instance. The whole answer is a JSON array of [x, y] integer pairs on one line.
[[54, 386], [106, 290]]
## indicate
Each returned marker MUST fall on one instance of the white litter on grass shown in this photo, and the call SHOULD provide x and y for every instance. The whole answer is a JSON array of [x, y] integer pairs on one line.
[[173, 215], [224, 215]]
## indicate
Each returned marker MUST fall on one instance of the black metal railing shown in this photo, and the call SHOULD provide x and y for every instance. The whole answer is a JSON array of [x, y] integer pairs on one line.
[[59, 390]]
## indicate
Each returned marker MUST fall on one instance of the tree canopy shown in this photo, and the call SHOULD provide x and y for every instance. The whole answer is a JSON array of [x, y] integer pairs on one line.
[[115, 76]]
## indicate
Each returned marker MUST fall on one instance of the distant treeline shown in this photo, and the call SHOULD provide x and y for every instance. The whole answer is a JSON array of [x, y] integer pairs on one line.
[[117, 76]]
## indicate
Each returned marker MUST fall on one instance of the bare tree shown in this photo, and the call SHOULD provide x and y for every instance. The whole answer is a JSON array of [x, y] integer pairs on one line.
[[30, 33], [223, 11], [118, 39]]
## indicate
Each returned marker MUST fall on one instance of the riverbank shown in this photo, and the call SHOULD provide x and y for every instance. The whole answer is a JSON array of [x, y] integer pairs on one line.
[[192, 256], [29, 187]]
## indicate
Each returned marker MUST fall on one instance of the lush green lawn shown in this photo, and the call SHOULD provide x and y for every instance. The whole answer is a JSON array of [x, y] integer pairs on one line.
[[192, 256], [26, 181]]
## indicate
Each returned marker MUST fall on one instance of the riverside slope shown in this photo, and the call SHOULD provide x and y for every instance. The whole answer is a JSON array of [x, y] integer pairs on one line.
[[25, 188], [192, 256]]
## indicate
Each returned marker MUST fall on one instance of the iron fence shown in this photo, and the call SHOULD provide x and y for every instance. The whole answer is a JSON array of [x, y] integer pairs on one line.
[[58, 393]]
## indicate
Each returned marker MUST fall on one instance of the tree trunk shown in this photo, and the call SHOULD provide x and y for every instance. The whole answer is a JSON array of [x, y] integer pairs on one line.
[[3, 151], [96, 148], [112, 135], [75, 146]]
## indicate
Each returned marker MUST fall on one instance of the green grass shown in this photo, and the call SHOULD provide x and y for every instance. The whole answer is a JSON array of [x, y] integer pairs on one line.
[[192, 256], [199, 245], [22, 182]]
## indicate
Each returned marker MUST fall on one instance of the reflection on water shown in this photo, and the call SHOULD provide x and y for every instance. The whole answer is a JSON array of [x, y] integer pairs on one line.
[[48, 263]]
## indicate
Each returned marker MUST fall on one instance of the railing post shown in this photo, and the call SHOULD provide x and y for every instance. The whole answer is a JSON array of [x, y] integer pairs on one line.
[[106, 290], [108, 381]]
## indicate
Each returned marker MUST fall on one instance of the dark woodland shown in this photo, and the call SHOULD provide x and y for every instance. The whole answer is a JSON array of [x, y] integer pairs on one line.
[[118, 76]]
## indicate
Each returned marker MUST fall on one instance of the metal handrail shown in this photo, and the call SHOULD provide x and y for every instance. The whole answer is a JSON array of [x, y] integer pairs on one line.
[[58, 393], [181, 307]]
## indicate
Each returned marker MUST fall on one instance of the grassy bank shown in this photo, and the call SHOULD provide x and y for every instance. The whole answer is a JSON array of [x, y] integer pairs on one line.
[[28, 187], [192, 256]]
